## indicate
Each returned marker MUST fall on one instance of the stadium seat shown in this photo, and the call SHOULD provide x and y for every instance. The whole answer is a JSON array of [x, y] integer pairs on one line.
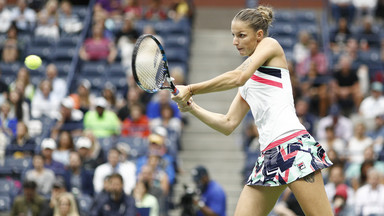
[[283, 16], [68, 41], [283, 29], [18, 165], [5, 203], [6, 187], [43, 42], [306, 16], [176, 40], [45, 52], [85, 204], [63, 68], [93, 68], [143, 211], [116, 70], [63, 53], [177, 54]]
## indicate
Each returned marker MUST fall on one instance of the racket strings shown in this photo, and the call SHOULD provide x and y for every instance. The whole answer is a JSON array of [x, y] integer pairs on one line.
[[150, 65]]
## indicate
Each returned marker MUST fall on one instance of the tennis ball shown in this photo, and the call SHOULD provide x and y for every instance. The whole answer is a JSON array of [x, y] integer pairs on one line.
[[33, 62]]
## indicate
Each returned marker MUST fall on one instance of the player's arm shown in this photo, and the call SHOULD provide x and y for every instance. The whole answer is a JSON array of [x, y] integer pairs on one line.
[[225, 124], [267, 49]]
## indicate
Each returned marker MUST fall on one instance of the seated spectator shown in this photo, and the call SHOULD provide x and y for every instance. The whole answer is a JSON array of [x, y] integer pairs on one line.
[[5, 17], [8, 120], [29, 203], [160, 176], [4, 90], [24, 16], [59, 85], [70, 119], [316, 58], [83, 146], [370, 197], [358, 143], [102, 122], [125, 40], [154, 107], [368, 33], [155, 11], [109, 93], [287, 204], [120, 203], [19, 106], [21, 145], [137, 125], [65, 146], [340, 35], [132, 9], [78, 176], [50, 10], [69, 22], [306, 118], [43, 177], [96, 149], [82, 98], [112, 7], [98, 47], [364, 8], [44, 103], [373, 105], [342, 125], [133, 97], [113, 165], [45, 29], [180, 9], [144, 199], [58, 190], [23, 77], [167, 120], [333, 142], [10, 51], [377, 132], [48, 145], [66, 205], [342, 8]]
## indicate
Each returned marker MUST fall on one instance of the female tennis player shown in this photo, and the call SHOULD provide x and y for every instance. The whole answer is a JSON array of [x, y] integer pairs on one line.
[[290, 156]]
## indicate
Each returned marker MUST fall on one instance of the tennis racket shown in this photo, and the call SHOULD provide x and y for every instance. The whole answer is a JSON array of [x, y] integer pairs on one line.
[[150, 65]]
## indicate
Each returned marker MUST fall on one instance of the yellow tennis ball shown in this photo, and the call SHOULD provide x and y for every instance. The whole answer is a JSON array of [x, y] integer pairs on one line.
[[33, 62]]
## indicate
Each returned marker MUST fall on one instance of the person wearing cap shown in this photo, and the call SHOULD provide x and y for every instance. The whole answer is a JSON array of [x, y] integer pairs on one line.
[[212, 196], [102, 122], [373, 105], [29, 203], [114, 165], [82, 97], [48, 145], [78, 177], [70, 119], [83, 147], [43, 177], [343, 126]]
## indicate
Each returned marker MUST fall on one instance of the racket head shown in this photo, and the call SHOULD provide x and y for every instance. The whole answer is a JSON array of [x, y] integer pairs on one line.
[[149, 64]]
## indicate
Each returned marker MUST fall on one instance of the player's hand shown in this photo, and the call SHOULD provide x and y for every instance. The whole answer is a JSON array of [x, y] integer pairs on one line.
[[183, 96], [185, 107]]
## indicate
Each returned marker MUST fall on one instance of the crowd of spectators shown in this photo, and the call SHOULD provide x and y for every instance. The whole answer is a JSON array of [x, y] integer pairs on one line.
[[86, 151]]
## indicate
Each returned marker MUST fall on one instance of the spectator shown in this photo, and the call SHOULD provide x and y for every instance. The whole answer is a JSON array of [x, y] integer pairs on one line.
[[59, 85], [370, 197], [8, 121], [102, 122], [358, 143], [138, 123], [373, 105], [48, 145], [340, 35], [125, 40], [10, 51], [368, 34], [167, 120], [212, 199], [45, 103], [132, 9], [333, 142], [306, 118], [180, 9], [43, 177], [95, 151], [24, 16], [46, 29], [316, 58], [5, 16], [155, 11], [115, 203], [126, 170], [83, 146], [287, 204], [144, 199], [4, 90], [30, 203], [28, 89], [346, 87], [78, 176], [377, 132], [335, 179], [50, 10], [133, 97], [342, 125], [19, 106], [65, 146], [342, 8], [364, 8], [98, 47], [58, 190], [82, 98], [69, 22], [66, 206], [112, 7], [380, 10], [162, 97], [70, 119], [301, 47], [109, 93], [21, 145]]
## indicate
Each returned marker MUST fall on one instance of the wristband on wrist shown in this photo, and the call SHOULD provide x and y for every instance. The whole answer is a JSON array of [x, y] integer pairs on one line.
[[201, 204]]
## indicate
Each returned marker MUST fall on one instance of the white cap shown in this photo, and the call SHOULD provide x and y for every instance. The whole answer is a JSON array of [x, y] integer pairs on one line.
[[83, 142], [67, 102], [162, 131], [101, 102], [48, 143]]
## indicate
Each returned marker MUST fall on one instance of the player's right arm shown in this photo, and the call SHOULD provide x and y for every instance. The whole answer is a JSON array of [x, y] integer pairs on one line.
[[225, 124]]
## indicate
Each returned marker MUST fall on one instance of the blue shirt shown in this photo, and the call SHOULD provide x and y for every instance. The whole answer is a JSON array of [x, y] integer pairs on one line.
[[108, 207], [214, 197]]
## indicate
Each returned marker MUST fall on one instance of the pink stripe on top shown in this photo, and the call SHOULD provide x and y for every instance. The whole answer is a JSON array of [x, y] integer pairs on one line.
[[266, 81], [285, 139]]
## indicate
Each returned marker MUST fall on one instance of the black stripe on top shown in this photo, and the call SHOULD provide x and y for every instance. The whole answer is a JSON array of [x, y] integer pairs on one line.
[[270, 71]]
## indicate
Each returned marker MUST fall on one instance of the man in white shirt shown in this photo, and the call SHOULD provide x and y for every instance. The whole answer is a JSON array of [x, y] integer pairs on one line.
[[5, 17], [59, 85], [24, 17], [373, 105]]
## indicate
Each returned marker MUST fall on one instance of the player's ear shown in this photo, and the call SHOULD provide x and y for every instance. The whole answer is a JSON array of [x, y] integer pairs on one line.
[[259, 34]]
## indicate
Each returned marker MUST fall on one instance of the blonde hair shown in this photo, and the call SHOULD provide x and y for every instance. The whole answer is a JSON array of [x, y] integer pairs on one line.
[[257, 18], [73, 210]]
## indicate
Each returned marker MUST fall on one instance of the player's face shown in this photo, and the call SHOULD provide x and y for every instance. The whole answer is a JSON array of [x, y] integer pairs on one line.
[[244, 38]]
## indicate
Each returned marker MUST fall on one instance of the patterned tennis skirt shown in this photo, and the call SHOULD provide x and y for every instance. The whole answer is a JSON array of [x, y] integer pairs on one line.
[[289, 159]]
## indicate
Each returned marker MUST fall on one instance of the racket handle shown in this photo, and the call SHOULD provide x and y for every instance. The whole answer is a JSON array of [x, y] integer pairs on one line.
[[175, 91]]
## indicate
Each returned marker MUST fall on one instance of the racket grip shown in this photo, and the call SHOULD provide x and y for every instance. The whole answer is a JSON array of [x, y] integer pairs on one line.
[[175, 91]]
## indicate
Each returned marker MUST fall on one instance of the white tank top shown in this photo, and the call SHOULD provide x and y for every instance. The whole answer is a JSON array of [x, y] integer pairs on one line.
[[269, 95]]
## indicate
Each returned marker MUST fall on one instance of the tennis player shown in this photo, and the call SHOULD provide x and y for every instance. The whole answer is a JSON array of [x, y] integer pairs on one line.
[[290, 156]]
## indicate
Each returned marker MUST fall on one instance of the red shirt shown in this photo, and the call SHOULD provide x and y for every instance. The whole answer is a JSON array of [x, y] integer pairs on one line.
[[139, 128]]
